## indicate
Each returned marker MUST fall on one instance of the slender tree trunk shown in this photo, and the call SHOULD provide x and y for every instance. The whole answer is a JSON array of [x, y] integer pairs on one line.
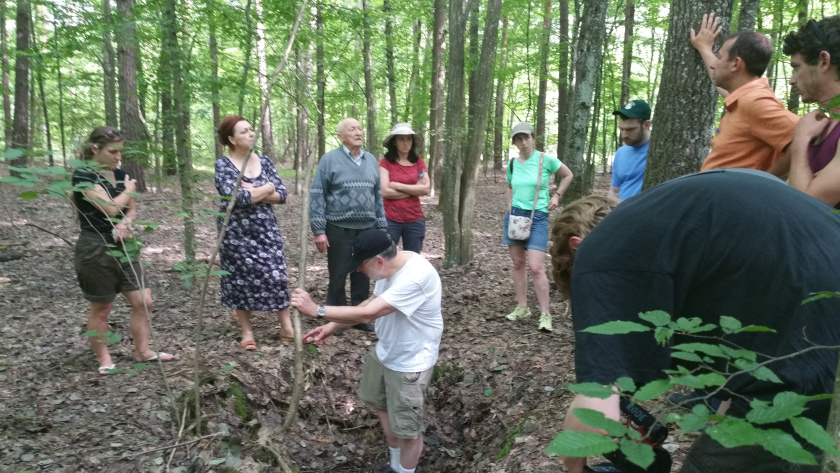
[[472, 59], [483, 97], [685, 107], [436, 99], [243, 84], [793, 101], [411, 101], [60, 93], [215, 85], [499, 121], [455, 132], [749, 11], [389, 59], [627, 61], [47, 131], [563, 75], [20, 129], [167, 132], [303, 114], [372, 142], [265, 121], [587, 67], [545, 46], [109, 67], [320, 81], [7, 103]]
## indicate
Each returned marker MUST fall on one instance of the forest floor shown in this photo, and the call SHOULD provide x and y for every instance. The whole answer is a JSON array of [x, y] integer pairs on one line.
[[497, 400]]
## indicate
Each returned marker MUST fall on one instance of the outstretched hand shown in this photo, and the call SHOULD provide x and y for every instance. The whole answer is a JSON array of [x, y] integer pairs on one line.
[[710, 28], [319, 335]]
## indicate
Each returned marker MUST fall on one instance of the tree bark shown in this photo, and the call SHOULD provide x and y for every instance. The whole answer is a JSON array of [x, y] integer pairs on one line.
[[472, 59], [389, 59], [167, 133], [545, 46], [60, 92], [373, 144], [320, 81], [563, 75], [627, 60], [793, 100], [20, 128], [215, 85], [411, 101], [243, 84], [483, 97], [109, 67], [45, 109], [303, 114], [499, 121], [748, 12], [7, 103], [685, 107], [436, 94], [265, 121], [587, 68], [135, 152]]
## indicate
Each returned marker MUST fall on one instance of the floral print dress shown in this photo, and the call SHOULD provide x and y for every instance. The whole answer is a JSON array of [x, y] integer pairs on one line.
[[252, 250]]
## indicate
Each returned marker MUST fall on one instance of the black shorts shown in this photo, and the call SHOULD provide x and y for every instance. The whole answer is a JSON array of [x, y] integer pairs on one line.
[[100, 275], [708, 456]]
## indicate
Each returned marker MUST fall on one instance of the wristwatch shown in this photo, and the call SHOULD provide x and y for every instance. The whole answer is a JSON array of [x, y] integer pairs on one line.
[[321, 312]]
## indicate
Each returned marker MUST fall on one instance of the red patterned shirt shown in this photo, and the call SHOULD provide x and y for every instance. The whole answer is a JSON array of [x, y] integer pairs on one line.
[[404, 210]]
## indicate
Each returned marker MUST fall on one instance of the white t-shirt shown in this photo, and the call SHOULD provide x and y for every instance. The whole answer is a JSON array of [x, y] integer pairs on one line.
[[409, 338]]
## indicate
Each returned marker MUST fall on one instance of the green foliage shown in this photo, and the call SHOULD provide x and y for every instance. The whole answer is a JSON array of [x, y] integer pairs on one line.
[[240, 401], [508, 445]]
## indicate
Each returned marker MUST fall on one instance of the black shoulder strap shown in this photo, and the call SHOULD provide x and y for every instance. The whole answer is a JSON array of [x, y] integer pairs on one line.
[[510, 166]]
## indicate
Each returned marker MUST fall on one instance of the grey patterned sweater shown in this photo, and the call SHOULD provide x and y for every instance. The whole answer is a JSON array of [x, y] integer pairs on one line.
[[346, 194]]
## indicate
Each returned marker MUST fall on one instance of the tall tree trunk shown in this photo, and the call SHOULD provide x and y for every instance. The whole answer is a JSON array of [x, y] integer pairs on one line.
[[436, 94], [303, 113], [793, 100], [411, 101], [563, 75], [545, 46], [472, 58], [265, 121], [498, 122], [60, 92], [587, 68], [455, 131], [243, 84], [109, 67], [748, 12], [685, 107], [320, 81], [167, 129], [135, 153], [389, 59], [182, 118], [215, 84], [44, 107], [372, 142], [7, 103], [483, 97], [20, 129], [627, 60]]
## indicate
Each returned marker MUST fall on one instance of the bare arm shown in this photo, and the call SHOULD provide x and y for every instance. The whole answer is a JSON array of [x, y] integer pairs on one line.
[[704, 40], [566, 176], [613, 192], [824, 185], [421, 188], [98, 196], [388, 191], [365, 312], [607, 406]]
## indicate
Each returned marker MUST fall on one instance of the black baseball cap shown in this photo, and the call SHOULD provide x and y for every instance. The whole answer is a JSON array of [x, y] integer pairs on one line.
[[366, 245], [634, 109]]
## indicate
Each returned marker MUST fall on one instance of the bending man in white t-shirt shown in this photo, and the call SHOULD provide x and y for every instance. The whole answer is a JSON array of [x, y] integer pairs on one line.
[[406, 309]]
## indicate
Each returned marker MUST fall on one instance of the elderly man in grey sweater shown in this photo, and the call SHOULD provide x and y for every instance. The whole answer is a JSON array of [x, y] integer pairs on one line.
[[346, 199]]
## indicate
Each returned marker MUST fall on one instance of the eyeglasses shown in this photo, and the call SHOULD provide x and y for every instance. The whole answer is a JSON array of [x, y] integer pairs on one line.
[[812, 25]]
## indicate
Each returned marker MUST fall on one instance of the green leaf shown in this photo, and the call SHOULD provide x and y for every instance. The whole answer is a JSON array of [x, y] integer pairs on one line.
[[711, 379], [653, 390], [759, 372], [595, 390], [757, 328], [626, 384], [660, 318], [735, 433], [682, 355], [784, 446], [13, 153], [220, 272], [617, 327], [597, 420], [580, 444], [815, 296], [93, 333], [696, 420], [227, 368], [28, 195], [637, 453], [312, 348], [112, 337], [711, 350], [500, 368], [814, 434], [663, 335], [730, 324], [488, 392], [785, 405], [219, 461]]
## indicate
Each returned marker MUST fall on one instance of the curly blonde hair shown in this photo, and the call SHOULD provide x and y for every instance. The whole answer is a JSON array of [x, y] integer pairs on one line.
[[576, 219]]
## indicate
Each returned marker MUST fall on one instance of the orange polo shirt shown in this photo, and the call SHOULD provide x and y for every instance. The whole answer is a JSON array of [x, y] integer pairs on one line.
[[754, 130]]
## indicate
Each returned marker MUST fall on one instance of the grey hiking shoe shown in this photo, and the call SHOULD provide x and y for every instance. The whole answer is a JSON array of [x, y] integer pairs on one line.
[[545, 323], [519, 313]]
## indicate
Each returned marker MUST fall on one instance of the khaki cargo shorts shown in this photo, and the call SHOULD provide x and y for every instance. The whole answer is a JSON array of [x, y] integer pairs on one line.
[[401, 394], [102, 276]]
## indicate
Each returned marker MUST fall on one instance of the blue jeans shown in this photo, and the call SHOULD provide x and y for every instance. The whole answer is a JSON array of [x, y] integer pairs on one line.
[[539, 231], [412, 234]]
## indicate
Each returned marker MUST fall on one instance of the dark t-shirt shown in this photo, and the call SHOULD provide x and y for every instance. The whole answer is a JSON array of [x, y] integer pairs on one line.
[[722, 242], [92, 219]]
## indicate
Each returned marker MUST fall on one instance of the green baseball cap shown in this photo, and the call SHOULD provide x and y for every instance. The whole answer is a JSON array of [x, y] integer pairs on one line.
[[634, 109]]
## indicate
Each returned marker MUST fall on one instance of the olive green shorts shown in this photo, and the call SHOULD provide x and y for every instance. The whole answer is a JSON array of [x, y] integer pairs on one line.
[[102, 276], [401, 394]]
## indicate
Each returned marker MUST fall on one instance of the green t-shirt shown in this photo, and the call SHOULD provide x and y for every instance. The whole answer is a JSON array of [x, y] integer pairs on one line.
[[523, 180]]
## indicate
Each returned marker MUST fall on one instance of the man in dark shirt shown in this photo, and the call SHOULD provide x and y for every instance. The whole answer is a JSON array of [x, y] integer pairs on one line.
[[729, 242]]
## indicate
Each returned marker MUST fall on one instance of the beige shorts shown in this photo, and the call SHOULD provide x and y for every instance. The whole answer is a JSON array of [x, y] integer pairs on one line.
[[401, 394]]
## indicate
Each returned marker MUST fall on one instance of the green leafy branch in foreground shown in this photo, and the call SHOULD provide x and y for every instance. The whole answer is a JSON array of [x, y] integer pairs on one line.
[[728, 431]]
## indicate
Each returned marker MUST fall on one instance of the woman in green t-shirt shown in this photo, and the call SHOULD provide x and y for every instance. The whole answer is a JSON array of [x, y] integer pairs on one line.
[[522, 178]]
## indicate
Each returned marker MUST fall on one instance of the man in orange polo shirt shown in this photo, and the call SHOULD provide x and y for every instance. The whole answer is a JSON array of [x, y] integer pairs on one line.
[[756, 128]]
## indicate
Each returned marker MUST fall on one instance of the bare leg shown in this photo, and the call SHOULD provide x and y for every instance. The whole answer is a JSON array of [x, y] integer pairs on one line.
[[410, 451], [139, 323], [285, 318], [386, 428], [536, 261], [520, 278], [98, 322], [244, 318]]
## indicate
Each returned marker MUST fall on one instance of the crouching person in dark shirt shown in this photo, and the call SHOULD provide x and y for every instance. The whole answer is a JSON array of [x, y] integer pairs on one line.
[[729, 242]]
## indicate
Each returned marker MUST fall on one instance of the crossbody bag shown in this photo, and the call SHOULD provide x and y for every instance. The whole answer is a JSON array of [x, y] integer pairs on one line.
[[519, 227]]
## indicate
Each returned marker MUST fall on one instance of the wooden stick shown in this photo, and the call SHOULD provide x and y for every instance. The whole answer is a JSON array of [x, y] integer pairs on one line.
[[30, 224]]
